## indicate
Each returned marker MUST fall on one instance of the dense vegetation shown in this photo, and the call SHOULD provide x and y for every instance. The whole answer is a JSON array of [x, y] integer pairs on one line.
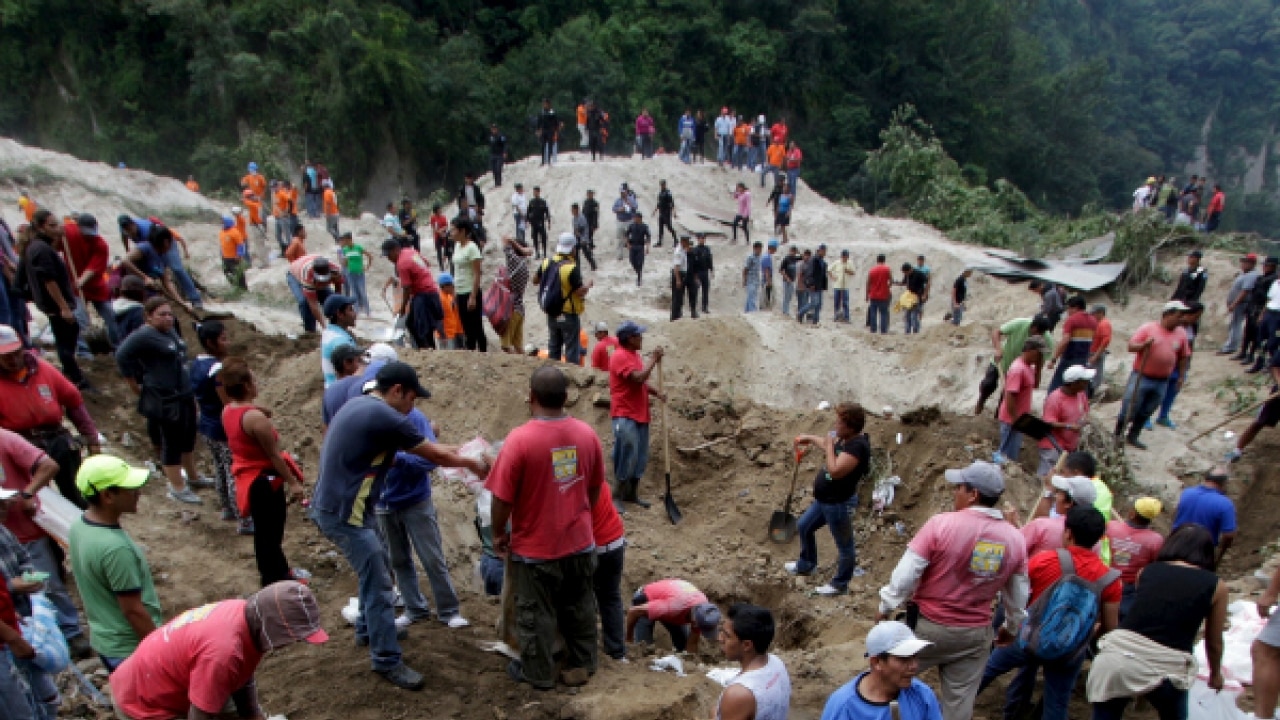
[[1073, 101]]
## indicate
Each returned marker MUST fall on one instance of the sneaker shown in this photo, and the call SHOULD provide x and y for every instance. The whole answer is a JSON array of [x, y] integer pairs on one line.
[[201, 482], [245, 527], [398, 603], [184, 496], [1233, 455], [793, 568], [1166, 422], [457, 621], [403, 622], [1148, 426], [403, 677], [998, 458], [829, 590], [229, 515]]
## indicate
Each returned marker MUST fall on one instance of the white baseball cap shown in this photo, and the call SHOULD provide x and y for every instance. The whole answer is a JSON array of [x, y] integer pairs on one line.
[[565, 243], [381, 351], [894, 638], [1078, 372], [1079, 488]]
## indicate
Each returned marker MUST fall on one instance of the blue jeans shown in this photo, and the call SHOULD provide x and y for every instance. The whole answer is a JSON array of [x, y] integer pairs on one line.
[[753, 297], [44, 560], [793, 177], [878, 316], [841, 310], [788, 290], [416, 525], [724, 152], [363, 550], [630, 448], [284, 233], [173, 260], [812, 307], [304, 308], [44, 691], [491, 572], [686, 152], [1076, 353], [1149, 393], [957, 314], [108, 320], [839, 518], [1170, 395], [18, 703], [1059, 679], [911, 320], [1010, 442], [564, 338], [358, 292]]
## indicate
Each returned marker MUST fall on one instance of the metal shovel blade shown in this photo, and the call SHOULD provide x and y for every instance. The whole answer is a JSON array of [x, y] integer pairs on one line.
[[673, 512], [782, 525]]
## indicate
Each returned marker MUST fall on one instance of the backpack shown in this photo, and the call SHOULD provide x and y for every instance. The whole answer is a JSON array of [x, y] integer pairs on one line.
[[498, 303], [1061, 620], [551, 290]]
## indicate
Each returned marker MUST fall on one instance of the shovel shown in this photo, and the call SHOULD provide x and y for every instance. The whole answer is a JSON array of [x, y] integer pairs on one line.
[[782, 526], [673, 512]]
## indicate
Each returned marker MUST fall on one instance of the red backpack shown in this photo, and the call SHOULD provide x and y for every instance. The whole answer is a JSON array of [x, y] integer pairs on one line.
[[498, 303]]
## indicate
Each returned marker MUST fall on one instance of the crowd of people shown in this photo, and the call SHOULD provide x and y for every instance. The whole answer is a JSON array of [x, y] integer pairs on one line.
[[976, 594], [1185, 206]]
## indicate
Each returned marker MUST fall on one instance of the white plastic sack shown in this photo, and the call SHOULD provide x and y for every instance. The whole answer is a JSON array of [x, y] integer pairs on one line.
[[724, 675], [351, 611], [670, 662], [1205, 703], [1243, 625], [882, 496], [476, 448], [56, 514], [41, 631]]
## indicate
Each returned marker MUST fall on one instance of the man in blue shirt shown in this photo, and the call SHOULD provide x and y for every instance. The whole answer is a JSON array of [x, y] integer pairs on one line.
[[892, 649], [1206, 504]]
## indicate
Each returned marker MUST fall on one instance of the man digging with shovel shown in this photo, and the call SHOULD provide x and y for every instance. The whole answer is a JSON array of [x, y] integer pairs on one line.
[[835, 496]]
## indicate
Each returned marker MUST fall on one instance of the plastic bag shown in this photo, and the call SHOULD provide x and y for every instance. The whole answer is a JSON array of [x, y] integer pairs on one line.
[[668, 662], [882, 496], [1243, 625], [1205, 703], [472, 449], [41, 631]]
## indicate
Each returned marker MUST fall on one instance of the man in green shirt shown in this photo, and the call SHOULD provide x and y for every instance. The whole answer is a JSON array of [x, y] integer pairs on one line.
[[353, 258], [111, 572], [1007, 341]]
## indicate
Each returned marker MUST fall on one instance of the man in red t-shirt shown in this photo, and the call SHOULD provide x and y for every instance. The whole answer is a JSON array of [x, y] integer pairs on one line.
[[1064, 410], [879, 280], [629, 392], [419, 293], [679, 607], [1084, 528], [605, 345], [545, 482], [611, 548], [1019, 385], [90, 255], [1160, 347], [208, 655], [1134, 545], [1077, 340]]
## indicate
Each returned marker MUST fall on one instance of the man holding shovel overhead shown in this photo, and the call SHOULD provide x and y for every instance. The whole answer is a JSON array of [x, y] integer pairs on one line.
[[1161, 348], [629, 391], [835, 496]]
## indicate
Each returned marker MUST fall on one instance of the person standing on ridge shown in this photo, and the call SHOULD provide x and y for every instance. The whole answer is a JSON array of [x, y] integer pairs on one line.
[[538, 215], [743, 197], [815, 284], [497, 153], [644, 134], [1214, 212], [839, 273], [701, 269], [680, 282], [686, 130], [1160, 348], [629, 391], [724, 137], [666, 210], [1238, 296], [548, 131], [638, 240]]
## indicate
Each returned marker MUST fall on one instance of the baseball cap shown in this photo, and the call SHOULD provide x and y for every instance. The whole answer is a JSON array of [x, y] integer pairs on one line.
[[253, 166], [335, 304], [343, 353], [565, 243], [99, 472], [1034, 343], [287, 612], [1175, 306], [388, 246], [629, 328], [1196, 253], [228, 222], [1271, 260], [381, 351], [1250, 256], [844, 253], [237, 210], [982, 476], [1078, 372], [894, 638], [602, 327], [773, 242], [88, 225], [1148, 507], [1080, 489], [706, 617], [398, 373], [320, 269], [445, 279], [9, 340]]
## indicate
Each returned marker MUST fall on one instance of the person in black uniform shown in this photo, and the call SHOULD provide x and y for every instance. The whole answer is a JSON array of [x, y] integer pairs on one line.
[[548, 130], [1254, 307], [409, 223], [638, 239], [666, 210], [701, 266], [539, 217], [591, 211], [497, 153], [597, 125]]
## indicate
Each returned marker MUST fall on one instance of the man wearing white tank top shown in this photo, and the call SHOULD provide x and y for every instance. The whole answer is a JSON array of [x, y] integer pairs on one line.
[[762, 691]]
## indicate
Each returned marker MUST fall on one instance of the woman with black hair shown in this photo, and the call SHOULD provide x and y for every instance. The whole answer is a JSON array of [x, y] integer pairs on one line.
[[1150, 654], [210, 398]]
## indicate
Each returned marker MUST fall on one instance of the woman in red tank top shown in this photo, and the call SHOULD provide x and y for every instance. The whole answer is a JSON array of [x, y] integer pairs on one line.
[[261, 471]]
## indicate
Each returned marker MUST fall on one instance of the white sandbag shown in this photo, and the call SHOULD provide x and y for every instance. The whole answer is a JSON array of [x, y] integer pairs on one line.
[[473, 449], [1243, 625], [1205, 703], [56, 514]]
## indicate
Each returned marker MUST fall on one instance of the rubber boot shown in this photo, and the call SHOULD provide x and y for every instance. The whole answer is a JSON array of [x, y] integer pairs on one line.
[[617, 488], [1119, 427], [635, 498]]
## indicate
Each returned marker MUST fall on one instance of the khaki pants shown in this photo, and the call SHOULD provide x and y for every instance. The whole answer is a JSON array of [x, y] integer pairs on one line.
[[960, 654]]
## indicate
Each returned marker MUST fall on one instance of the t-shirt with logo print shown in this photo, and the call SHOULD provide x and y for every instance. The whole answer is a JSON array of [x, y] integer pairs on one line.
[[971, 555]]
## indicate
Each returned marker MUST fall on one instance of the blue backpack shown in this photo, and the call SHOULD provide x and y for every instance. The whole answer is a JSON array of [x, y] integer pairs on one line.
[[1061, 620]]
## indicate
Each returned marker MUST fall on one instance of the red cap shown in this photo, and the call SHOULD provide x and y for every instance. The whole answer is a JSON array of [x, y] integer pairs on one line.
[[1252, 256]]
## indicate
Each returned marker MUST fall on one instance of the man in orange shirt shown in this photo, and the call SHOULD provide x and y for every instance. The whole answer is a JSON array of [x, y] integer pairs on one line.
[[451, 332], [298, 247], [253, 204], [330, 209], [254, 181], [192, 185], [582, 125], [27, 206], [283, 210], [233, 247], [741, 139], [774, 157]]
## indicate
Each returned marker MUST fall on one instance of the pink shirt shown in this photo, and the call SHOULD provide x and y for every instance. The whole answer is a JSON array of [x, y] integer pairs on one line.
[[1132, 548], [1019, 382], [671, 600], [18, 458], [971, 557], [1043, 534], [1064, 408], [1168, 348], [744, 203]]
